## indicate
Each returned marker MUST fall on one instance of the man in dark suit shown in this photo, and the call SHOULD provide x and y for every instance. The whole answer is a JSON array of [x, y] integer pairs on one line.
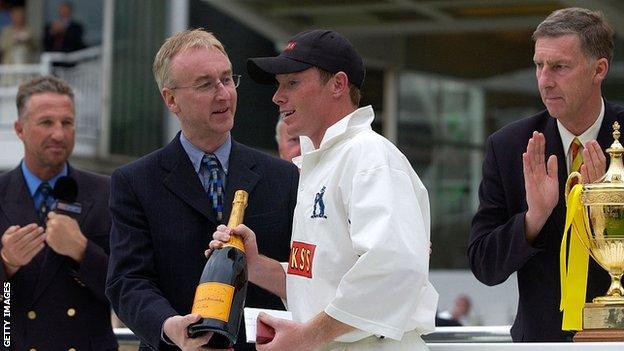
[[63, 34], [54, 266], [519, 223], [162, 216]]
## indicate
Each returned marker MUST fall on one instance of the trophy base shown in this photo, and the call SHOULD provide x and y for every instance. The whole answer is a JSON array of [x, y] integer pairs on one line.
[[603, 316], [609, 300], [597, 335], [601, 322]]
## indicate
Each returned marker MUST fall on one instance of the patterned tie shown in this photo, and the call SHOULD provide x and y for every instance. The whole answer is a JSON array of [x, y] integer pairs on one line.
[[577, 155], [215, 184], [42, 212]]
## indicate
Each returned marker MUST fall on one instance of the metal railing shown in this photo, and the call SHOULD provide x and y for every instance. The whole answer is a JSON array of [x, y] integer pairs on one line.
[[484, 334], [83, 71], [11, 76], [493, 338], [489, 334]]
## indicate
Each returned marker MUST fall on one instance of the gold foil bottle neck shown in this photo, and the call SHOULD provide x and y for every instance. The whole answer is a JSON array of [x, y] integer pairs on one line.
[[236, 217], [238, 208]]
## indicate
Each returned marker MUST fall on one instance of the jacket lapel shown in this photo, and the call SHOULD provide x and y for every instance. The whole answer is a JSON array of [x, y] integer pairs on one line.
[[52, 261], [182, 180], [241, 175], [85, 202]]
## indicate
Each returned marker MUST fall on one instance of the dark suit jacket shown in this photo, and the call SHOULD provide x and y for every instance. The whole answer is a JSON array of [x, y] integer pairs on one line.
[[497, 241], [48, 293], [70, 41], [163, 222]]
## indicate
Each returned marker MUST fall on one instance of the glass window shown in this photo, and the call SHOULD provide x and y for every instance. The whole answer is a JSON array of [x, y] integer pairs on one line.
[[441, 132]]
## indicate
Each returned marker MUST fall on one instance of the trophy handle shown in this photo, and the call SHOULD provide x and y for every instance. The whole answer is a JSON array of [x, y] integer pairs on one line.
[[570, 182]]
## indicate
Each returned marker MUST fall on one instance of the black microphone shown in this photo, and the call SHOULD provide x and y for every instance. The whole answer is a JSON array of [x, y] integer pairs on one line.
[[65, 192]]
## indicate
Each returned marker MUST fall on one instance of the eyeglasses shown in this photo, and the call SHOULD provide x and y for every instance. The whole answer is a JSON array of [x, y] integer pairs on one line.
[[228, 81]]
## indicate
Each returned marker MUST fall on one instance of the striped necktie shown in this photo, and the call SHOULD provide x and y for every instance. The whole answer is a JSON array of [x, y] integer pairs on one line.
[[577, 155], [42, 211], [214, 185]]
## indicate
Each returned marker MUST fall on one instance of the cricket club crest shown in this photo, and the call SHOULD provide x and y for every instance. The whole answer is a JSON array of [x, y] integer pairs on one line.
[[319, 205]]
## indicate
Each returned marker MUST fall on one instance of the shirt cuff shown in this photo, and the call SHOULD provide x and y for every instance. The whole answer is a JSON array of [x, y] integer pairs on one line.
[[164, 336]]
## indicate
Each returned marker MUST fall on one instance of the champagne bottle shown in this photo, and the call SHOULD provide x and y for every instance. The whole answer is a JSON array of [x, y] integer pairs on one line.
[[220, 295]]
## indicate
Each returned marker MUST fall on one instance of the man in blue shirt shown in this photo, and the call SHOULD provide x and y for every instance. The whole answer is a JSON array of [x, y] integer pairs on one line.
[[54, 266]]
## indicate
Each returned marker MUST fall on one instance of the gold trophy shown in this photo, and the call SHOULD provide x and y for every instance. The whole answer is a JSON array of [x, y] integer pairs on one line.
[[603, 213]]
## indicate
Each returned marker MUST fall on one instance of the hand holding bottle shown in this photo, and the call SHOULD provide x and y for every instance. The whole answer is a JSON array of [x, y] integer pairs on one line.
[[175, 329], [222, 235]]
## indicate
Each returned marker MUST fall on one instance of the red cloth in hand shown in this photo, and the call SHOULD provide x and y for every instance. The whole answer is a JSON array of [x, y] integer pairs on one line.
[[264, 333]]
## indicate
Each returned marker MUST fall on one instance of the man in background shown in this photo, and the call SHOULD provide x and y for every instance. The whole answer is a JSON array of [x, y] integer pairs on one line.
[[459, 314], [287, 145], [64, 34], [54, 265]]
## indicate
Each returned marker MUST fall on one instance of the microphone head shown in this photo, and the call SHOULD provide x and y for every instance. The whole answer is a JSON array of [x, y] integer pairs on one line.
[[65, 189]]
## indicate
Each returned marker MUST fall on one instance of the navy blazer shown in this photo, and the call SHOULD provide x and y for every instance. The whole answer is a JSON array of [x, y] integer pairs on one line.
[[498, 246], [69, 41], [163, 222], [61, 305]]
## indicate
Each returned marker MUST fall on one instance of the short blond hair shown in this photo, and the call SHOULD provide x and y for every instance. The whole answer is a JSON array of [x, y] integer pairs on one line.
[[188, 39]]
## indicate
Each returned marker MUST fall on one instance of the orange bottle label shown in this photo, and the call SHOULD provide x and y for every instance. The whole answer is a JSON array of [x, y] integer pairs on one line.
[[237, 242], [213, 300]]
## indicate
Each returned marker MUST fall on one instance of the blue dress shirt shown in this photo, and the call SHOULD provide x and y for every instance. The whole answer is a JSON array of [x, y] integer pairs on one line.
[[195, 154], [33, 182]]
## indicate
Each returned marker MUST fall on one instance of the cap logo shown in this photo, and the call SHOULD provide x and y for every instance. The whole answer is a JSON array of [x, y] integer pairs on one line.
[[290, 46]]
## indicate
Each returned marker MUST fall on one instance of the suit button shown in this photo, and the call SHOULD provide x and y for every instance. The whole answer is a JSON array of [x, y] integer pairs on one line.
[[71, 312], [32, 315]]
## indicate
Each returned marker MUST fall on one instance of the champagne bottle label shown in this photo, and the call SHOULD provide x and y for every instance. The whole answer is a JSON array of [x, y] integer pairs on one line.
[[235, 241], [213, 300]]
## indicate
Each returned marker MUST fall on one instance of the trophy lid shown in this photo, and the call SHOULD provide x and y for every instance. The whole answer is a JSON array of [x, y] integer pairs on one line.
[[614, 178]]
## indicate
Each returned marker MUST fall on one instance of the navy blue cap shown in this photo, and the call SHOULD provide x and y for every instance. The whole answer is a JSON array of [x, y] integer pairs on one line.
[[324, 49]]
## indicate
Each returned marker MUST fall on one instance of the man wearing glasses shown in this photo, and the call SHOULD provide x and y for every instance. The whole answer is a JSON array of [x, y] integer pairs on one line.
[[166, 205]]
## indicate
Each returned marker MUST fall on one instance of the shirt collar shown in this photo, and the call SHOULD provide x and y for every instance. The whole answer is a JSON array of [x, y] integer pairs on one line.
[[196, 154], [363, 116], [33, 182], [590, 134]]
